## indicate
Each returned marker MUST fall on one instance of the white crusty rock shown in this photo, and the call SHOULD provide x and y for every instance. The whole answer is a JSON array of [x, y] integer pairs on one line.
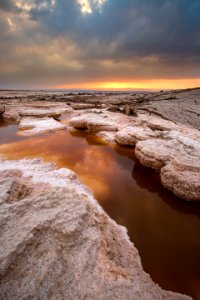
[[27, 108], [31, 126], [155, 153], [93, 123], [97, 124], [56, 242], [156, 123], [178, 157], [79, 122], [130, 135], [182, 178], [40, 113]]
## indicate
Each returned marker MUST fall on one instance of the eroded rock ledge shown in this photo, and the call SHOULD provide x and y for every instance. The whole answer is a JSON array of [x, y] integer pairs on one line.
[[58, 243], [172, 149]]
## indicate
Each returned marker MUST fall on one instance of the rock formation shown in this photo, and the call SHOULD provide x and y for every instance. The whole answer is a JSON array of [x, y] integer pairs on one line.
[[57, 242], [40, 113], [32, 126], [15, 109], [93, 123]]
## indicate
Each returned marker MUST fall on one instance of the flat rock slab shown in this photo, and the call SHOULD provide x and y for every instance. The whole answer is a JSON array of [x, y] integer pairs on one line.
[[79, 106], [93, 123], [32, 126], [130, 135], [57, 242], [40, 113]]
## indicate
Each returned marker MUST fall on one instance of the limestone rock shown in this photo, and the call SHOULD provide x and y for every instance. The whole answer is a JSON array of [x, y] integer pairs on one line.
[[57, 242], [130, 135], [100, 124], [31, 126], [79, 122], [40, 113], [183, 179], [12, 190], [178, 157], [93, 123], [155, 153]]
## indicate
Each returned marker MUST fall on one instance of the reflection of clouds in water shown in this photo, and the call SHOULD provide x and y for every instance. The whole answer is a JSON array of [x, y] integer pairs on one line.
[[92, 164], [94, 170]]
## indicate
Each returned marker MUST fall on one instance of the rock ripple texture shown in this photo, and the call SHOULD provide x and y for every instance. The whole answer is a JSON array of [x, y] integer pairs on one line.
[[57, 242]]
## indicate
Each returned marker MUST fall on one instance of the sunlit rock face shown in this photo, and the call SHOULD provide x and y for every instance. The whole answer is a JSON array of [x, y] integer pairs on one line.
[[57, 241]]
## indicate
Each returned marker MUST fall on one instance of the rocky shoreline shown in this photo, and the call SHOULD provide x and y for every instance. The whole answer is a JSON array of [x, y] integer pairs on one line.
[[56, 240], [58, 243]]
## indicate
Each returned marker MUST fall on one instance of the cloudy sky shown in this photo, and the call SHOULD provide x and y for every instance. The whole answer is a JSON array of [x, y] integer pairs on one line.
[[99, 43]]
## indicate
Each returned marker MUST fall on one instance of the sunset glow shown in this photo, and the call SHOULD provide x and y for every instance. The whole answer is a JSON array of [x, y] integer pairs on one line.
[[150, 84]]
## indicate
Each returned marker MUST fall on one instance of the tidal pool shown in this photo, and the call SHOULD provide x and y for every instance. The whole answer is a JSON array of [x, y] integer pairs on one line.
[[165, 229]]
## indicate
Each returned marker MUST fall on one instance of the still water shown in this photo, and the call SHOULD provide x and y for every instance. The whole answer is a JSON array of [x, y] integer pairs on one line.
[[165, 229]]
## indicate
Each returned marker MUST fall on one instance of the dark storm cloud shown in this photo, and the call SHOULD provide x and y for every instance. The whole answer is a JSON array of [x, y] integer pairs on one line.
[[144, 39], [137, 27], [8, 5]]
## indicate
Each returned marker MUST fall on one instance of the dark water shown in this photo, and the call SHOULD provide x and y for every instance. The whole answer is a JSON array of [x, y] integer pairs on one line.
[[165, 229]]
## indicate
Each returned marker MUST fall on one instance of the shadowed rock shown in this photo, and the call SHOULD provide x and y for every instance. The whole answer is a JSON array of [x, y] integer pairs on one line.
[[2, 110]]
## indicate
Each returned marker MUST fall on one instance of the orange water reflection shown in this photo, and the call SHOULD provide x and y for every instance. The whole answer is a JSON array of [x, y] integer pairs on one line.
[[164, 229]]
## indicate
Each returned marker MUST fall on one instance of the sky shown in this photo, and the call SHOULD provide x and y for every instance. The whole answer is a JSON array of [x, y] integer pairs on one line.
[[100, 44]]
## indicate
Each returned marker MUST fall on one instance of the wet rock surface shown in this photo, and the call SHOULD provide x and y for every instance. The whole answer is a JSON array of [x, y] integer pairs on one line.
[[57, 242]]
